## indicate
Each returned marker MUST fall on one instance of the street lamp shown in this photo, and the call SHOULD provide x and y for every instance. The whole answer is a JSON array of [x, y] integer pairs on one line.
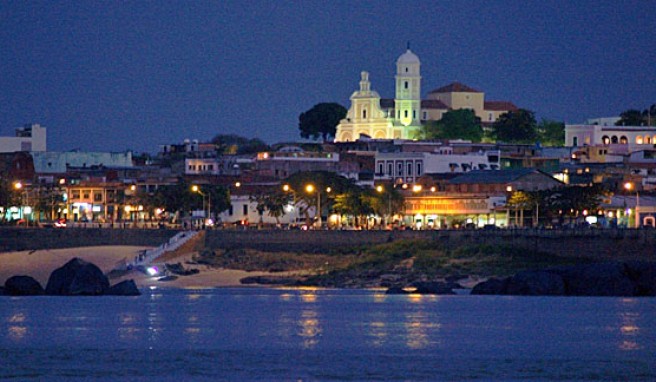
[[629, 186], [25, 209], [196, 189], [310, 189], [380, 190]]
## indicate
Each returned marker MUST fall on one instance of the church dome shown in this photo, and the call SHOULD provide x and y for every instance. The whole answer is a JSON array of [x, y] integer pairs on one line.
[[408, 58]]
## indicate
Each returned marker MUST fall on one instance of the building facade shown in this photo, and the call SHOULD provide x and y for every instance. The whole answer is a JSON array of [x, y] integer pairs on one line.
[[31, 137], [402, 117]]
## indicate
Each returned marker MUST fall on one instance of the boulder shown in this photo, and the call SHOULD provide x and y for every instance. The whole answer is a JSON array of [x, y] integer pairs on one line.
[[77, 278], [604, 279], [491, 286], [124, 288], [435, 287], [396, 290], [23, 286], [536, 283]]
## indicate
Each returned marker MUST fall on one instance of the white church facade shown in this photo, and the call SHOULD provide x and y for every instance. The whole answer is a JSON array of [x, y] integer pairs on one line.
[[403, 117]]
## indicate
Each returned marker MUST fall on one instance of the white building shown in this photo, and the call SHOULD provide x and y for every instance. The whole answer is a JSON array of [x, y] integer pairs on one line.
[[406, 167], [31, 137], [57, 162], [616, 138], [243, 211]]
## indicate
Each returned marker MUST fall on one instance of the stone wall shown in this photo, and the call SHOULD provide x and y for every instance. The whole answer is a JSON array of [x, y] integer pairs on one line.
[[608, 244], [19, 239], [612, 244]]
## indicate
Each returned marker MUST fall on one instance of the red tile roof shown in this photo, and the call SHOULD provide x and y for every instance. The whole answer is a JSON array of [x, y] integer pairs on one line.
[[433, 104], [500, 106], [455, 87]]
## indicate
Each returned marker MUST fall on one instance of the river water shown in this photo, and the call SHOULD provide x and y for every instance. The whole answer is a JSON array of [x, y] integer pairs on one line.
[[325, 335]]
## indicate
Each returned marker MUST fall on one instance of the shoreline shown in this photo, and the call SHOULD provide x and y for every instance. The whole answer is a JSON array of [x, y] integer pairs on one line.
[[39, 264]]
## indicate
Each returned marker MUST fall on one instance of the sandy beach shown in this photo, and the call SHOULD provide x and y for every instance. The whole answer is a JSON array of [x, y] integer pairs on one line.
[[39, 264]]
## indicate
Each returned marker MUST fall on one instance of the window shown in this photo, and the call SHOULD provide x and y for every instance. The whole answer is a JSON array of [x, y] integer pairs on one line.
[[364, 114], [245, 209], [613, 139], [605, 139], [624, 140], [425, 116], [406, 69], [490, 116], [86, 194], [389, 169], [380, 168], [405, 84], [97, 197], [75, 194], [409, 168], [231, 210], [575, 141], [414, 114], [406, 114], [639, 140], [418, 168], [400, 169]]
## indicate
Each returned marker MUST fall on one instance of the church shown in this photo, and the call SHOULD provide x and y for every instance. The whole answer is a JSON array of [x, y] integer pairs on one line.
[[403, 116]]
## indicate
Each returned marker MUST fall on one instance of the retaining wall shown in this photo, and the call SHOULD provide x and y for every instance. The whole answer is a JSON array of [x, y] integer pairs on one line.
[[19, 239]]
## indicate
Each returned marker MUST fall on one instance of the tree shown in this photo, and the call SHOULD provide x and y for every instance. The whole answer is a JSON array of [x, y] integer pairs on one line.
[[8, 194], [321, 181], [516, 127], [235, 144], [551, 133], [631, 117], [321, 120], [276, 203], [456, 124], [634, 117]]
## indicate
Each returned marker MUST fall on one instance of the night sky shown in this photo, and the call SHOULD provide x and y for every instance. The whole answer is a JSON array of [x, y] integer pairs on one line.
[[113, 76]]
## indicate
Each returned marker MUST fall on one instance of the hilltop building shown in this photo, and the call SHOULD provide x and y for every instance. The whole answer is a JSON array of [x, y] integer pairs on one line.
[[402, 117], [31, 137]]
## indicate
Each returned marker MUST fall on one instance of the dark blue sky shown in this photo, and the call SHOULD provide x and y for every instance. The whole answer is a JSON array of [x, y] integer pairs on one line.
[[112, 76]]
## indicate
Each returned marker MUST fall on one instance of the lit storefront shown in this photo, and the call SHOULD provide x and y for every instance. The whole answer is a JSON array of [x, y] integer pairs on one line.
[[457, 211]]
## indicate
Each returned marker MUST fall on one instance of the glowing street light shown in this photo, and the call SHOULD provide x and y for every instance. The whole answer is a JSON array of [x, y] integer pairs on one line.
[[197, 189], [380, 189], [629, 187]]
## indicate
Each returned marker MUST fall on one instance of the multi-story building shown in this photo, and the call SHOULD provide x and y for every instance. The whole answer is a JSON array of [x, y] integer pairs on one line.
[[289, 160], [407, 167], [617, 139], [31, 137]]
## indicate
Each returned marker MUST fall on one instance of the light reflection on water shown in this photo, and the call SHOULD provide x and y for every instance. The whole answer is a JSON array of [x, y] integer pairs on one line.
[[346, 332]]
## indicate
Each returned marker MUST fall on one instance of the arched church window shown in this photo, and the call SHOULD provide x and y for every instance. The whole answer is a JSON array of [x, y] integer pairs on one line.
[[364, 114], [613, 139], [414, 114], [405, 84], [648, 139], [624, 140], [605, 139], [406, 114], [406, 69]]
